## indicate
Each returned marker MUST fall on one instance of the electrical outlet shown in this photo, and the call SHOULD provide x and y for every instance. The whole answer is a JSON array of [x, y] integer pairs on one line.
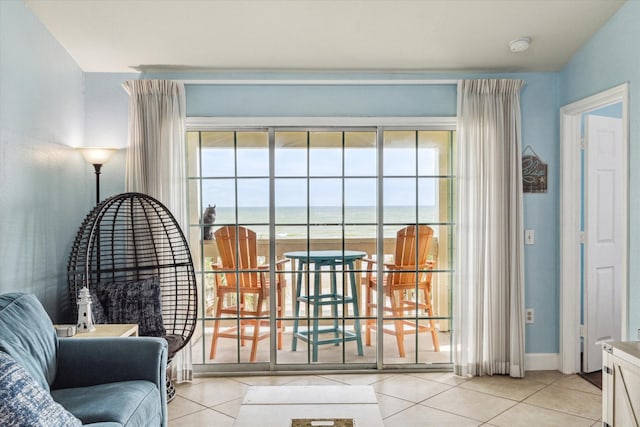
[[529, 315]]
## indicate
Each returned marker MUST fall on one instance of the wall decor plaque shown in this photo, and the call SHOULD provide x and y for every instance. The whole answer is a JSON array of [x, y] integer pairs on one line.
[[534, 172]]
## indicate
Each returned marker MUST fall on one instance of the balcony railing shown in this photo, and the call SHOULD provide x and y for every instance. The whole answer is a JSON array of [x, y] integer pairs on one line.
[[441, 284]]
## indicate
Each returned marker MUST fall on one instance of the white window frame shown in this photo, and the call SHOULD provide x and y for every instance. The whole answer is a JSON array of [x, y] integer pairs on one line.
[[203, 124]]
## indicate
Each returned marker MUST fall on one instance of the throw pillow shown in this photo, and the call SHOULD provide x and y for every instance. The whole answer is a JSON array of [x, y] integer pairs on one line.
[[97, 310], [23, 402], [135, 302]]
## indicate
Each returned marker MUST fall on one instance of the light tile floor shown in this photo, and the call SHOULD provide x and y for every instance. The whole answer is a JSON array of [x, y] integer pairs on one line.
[[542, 398]]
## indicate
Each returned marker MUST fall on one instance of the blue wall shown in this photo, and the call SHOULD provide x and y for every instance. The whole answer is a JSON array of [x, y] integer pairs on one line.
[[324, 101], [609, 59], [44, 190], [106, 108]]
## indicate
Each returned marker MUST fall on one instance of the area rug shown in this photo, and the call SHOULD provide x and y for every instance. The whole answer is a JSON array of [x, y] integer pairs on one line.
[[315, 405]]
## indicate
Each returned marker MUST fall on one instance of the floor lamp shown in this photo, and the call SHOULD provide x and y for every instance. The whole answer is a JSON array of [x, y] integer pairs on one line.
[[97, 157]]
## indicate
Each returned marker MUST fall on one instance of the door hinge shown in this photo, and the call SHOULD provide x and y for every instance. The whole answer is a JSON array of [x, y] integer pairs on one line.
[[607, 370], [582, 237], [583, 143]]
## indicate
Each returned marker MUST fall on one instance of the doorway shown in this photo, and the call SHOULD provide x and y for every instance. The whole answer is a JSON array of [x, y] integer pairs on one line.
[[603, 203], [577, 240]]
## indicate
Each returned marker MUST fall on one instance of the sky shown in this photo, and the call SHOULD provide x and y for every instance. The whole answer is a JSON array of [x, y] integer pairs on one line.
[[325, 167]]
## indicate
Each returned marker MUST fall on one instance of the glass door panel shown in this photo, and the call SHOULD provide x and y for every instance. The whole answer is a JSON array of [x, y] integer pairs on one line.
[[325, 262], [417, 194]]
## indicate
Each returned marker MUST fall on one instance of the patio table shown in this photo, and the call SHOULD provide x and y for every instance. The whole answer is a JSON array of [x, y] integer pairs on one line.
[[317, 299]]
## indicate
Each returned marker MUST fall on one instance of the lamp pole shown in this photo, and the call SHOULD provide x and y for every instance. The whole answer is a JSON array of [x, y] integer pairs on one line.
[[97, 167]]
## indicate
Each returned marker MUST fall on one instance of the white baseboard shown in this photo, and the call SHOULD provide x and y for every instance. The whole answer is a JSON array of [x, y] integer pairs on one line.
[[542, 361]]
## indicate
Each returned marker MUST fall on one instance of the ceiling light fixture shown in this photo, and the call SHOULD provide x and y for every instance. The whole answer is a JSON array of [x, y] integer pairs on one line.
[[520, 44]]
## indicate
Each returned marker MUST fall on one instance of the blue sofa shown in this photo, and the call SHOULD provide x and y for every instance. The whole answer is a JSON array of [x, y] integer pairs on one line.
[[47, 381]]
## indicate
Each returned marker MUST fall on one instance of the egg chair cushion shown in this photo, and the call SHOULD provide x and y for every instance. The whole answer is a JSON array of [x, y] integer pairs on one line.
[[134, 302], [97, 309]]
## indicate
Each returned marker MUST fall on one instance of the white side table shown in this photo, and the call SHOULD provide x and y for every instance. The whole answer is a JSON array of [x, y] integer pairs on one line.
[[111, 330]]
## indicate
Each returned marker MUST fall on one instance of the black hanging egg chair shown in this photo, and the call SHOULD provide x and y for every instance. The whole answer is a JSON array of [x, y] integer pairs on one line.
[[132, 255]]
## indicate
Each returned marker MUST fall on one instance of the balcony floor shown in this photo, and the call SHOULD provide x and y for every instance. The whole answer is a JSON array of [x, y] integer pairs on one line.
[[327, 353]]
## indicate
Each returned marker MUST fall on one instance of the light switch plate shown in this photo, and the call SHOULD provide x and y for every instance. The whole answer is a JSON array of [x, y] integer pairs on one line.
[[529, 237]]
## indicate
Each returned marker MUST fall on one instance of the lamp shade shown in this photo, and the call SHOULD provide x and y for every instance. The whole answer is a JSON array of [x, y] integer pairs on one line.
[[97, 156]]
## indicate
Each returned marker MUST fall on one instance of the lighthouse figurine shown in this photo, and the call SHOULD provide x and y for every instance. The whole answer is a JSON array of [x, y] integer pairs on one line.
[[85, 319]]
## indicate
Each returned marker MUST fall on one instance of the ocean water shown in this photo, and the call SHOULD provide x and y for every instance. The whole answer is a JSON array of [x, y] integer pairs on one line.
[[326, 221]]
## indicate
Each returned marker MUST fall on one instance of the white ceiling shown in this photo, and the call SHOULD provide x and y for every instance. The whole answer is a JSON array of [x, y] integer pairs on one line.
[[321, 35]]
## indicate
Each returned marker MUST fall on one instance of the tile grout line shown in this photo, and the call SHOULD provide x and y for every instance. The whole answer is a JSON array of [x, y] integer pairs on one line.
[[201, 410], [206, 406], [398, 412], [552, 409], [459, 415]]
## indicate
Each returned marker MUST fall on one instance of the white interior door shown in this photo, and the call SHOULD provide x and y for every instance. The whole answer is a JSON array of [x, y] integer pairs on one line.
[[604, 203]]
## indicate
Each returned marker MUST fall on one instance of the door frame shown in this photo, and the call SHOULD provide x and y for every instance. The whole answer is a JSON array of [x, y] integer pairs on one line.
[[271, 124], [570, 236]]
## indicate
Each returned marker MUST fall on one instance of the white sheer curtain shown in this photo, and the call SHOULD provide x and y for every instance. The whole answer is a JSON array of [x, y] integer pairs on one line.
[[489, 291], [156, 161]]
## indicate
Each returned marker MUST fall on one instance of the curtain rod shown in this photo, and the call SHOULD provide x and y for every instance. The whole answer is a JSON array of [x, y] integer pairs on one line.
[[326, 82]]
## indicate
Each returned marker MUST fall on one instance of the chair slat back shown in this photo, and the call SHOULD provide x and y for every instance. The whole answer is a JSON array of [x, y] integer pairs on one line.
[[238, 243], [412, 245]]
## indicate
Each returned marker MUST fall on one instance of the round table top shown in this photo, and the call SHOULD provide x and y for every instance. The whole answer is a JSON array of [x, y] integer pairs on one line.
[[315, 256]]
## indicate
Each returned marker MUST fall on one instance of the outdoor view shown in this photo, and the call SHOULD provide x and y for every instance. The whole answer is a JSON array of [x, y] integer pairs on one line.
[[326, 196]]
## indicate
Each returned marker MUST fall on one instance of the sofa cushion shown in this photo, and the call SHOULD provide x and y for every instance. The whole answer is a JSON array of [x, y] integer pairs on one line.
[[129, 403], [134, 302], [23, 402], [27, 335]]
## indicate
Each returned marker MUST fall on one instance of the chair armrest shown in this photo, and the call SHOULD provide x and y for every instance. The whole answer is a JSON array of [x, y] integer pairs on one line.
[[369, 264], [281, 262], [387, 265], [368, 278], [393, 267], [91, 361]]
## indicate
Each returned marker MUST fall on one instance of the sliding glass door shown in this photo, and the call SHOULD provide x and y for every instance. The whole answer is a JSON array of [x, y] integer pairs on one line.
[[326, 206]]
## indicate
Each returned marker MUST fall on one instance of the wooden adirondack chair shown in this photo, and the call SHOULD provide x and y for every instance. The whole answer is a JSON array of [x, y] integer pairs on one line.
[[405, 279], [239, 276]]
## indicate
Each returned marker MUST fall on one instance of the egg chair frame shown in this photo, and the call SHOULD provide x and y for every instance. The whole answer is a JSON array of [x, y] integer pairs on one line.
[[131, 237]]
